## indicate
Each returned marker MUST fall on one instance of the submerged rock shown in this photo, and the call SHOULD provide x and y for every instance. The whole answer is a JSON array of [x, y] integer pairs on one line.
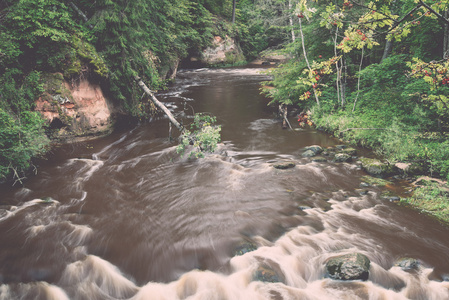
[[244, 247], [375, 167], [268, 274], [352, 266], [284, 165]]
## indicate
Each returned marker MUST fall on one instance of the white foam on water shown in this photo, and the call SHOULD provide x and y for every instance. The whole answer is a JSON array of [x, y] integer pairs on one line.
[[93, 275], [16, 209], [34, 290]]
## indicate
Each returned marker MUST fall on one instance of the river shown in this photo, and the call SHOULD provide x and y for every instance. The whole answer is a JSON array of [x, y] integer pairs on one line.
[[125, 217]]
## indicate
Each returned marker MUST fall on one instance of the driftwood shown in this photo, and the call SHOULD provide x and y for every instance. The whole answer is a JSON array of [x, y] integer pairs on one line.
[[439, 181], [159, 104], [283, 114]]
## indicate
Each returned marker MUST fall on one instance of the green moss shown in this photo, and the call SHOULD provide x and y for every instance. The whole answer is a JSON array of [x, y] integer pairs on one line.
[[80, 55], [54, 86], [375, 181], [375, 167], [432, 199]]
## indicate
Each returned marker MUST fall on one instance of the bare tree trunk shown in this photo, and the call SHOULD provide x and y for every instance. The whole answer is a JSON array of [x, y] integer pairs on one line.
[[446, 37], [158, 103], [305, 57], [80, 13], [337, 66], [343, 80], [358, 81], [387, 50], [233, 11], [291, 20]]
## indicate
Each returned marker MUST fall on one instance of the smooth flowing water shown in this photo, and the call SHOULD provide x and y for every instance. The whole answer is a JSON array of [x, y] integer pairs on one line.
[[125, 217]]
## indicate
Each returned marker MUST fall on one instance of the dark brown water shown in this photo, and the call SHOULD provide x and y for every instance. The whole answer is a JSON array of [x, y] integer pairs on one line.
[[127, 218]]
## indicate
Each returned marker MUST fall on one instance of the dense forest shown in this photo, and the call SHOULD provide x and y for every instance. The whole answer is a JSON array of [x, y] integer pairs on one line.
[[374, 73]]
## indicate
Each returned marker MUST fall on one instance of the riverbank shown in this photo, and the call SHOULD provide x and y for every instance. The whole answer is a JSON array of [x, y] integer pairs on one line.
[[413, 153]]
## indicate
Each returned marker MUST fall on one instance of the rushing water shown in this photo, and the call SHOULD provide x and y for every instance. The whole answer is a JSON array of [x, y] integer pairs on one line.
[[124, 217]]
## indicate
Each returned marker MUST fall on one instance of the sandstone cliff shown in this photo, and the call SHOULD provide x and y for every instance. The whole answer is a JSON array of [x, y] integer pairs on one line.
[[75, 109]]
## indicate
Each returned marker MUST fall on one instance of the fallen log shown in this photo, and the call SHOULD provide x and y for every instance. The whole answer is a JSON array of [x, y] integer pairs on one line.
[[158, 103]]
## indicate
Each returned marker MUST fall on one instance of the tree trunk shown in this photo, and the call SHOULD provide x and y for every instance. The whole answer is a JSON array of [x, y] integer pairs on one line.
[[387, 50], [80, 13], [343, 80], [358, 80], [307, 61], [446, 37], [158, 103], [233, 11], [291, 20]]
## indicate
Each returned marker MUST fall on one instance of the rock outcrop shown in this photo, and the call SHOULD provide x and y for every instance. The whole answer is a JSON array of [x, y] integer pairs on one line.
[[223, 51], [76, 109]]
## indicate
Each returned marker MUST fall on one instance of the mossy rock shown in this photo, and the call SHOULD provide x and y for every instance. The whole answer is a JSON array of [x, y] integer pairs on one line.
[[342, 157], [370, 180], [375, 167], [284, 165], [319, 159], [349, 151], [314, 148], [352, 266], [408, 264], [308, 153], [390, 196]]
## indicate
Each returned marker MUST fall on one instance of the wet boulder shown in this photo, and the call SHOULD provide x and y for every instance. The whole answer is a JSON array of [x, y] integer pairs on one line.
[[352, 266], [375, 167], [244, 247], [408, 264], [319, 159], [342, 157], [308, 153], [267, 273], [315, 149], [349, 151], [284, 165]]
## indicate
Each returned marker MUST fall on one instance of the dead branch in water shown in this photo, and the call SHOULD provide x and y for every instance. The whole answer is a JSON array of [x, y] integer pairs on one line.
[[158, 103]]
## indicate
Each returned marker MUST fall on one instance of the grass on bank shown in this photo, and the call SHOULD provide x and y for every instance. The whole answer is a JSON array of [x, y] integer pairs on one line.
[[432, 199]]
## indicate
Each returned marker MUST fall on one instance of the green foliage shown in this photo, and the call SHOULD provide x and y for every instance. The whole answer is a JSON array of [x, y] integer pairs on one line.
[[431, 198], [285, 86], [203, 136], [22, 134], [21, 140]]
